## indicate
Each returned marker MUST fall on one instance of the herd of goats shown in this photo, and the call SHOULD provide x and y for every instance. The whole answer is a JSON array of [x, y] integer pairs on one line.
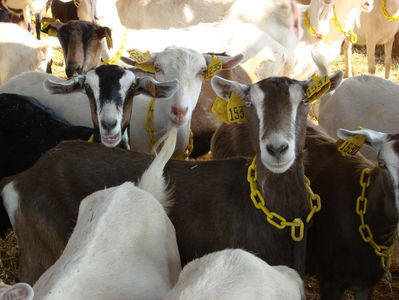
[[100, 179]]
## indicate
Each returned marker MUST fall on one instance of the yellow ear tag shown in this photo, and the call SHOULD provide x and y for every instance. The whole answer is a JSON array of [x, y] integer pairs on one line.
[[318, 87], [141, 58], [214, 66], [91, 139], [52, 32], [219, 108], [350, 146], [231, 111], [109, 40], [235, 109]]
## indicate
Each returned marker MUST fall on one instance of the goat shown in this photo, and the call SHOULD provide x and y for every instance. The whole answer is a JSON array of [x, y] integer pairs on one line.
[[64, 11], [276, 17], [236, 274], [110, 90], [213, 209], [30, 130], [123, 245], [363, 100], [327, 40], [336, 252], [375, 28], [25, 8], [22, 52], [18, 291]]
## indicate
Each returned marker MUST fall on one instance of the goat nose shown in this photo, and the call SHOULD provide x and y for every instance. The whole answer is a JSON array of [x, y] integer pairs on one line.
[[108, 125], [72, 69], [275, 151], [179, 112]]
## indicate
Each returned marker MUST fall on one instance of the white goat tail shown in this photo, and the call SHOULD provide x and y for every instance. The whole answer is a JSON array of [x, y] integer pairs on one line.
[[152, 179]]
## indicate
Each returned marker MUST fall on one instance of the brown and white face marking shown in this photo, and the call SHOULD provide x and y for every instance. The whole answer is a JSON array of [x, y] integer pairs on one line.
[[387, 147], [81, 44], [276, 111]]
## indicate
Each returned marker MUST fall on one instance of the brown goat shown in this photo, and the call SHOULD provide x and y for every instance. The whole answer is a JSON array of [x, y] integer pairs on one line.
[[213, 209], [336, 252]]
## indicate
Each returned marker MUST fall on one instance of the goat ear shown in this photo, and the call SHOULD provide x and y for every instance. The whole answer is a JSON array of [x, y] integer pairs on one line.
[[223, 87], [228, 62], [373, 138], [51, 28], [19, 291], [152, 88], [65, 87], [103, 32], [336, 80]]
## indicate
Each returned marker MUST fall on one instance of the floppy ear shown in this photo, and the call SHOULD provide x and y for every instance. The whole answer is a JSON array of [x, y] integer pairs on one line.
[[152, 88], [103, 32], [373, 138], [336, 80], [19, 291], [223, 88], [68, 86], [144, 61], [228, 62], [51, 28]]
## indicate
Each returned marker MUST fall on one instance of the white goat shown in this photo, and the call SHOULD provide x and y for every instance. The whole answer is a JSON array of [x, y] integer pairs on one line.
[[21, 52], [363, 100], [18, 291], [276, 17], [320, 15], [24, 7], [123, 245], [236, 274], [372, 29]]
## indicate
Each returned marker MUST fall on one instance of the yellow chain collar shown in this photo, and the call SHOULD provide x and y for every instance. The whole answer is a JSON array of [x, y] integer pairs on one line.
[[118, 54], [275, 219], [386, 14], [91, 139], [149, 126], [313, 32], [77, 3], [361, 207], [348, 33]]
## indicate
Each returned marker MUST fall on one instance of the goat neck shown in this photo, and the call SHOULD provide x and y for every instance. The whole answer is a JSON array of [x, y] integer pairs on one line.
[[319, 14]]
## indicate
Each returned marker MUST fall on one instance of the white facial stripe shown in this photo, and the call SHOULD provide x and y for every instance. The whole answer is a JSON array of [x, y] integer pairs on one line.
[[126, 82], [93, 81]]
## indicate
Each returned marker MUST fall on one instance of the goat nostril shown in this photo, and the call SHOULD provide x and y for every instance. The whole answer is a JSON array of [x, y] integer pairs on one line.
[[274, 151], [108, 125], [179, 112]]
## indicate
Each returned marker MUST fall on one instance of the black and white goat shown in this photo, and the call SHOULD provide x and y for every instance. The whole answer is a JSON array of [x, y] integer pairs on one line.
[[213, 209]]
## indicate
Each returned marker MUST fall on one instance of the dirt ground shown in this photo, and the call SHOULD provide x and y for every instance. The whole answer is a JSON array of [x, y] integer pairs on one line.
[[383, 291]]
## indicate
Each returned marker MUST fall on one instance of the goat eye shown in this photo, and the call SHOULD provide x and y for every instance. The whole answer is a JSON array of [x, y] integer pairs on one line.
[[158, 69], [202, 72]]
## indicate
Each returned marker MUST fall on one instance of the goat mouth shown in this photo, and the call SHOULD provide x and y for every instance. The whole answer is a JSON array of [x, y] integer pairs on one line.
[[279, 167], [110, 139], [367, 8]]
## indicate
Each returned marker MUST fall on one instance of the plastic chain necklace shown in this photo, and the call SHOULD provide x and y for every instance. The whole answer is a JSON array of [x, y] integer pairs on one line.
[[361, 207], [386, 14], [118, 54], [149, 126], [313, 32], [77, 3], [348, 33], [275, 219]]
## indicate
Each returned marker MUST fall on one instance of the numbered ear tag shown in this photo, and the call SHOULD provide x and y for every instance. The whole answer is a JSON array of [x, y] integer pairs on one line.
[[351, 146], [141, 58], [219, 108], [235, 109], [318, 87], [109, 40], [52, 32], [214, 66]]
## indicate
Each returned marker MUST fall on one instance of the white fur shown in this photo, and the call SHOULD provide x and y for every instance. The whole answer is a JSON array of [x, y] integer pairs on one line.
[[18, 291], [374, 28], [123, 245], [27, 6], [364, 100], [21, 52], [10, 201], [236, 274]]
